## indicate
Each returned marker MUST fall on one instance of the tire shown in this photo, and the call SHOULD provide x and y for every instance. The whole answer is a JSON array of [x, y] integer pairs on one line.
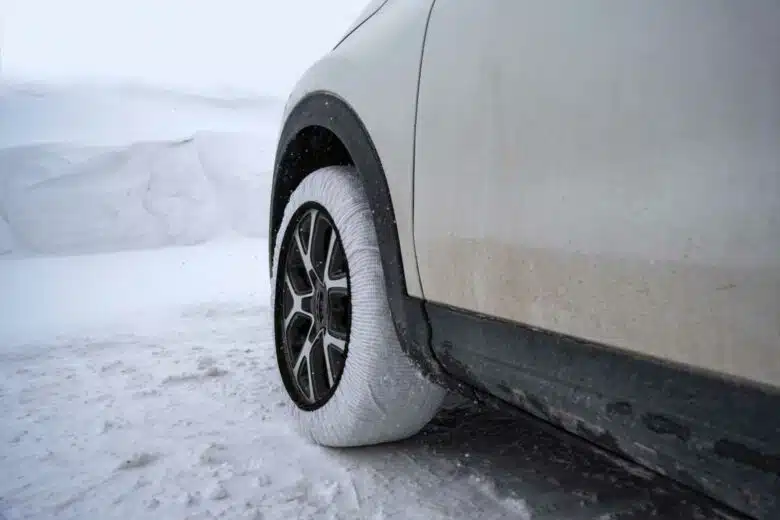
[[379, 396]]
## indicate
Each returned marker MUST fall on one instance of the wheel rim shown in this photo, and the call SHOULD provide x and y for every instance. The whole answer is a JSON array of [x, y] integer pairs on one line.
[[315, 315]]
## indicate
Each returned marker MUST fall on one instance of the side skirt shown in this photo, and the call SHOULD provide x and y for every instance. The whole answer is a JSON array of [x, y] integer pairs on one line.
[[711, 433]]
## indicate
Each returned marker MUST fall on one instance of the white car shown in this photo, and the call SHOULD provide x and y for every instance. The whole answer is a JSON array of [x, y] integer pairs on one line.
[[571, 207]]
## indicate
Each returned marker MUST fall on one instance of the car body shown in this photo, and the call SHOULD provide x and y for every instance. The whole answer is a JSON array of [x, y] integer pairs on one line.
[[578, 212]]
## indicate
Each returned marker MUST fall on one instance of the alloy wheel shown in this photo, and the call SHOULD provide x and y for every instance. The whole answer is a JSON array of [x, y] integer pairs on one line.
[[314, 318]]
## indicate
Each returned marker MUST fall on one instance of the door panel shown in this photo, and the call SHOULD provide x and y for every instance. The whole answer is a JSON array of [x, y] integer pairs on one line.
[[608, 170]]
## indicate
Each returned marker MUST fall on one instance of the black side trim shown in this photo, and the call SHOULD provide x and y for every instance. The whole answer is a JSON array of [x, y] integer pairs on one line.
[[718, 436], [324, 110]]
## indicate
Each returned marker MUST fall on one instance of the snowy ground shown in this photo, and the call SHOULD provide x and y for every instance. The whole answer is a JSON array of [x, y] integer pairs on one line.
[[137, 373]]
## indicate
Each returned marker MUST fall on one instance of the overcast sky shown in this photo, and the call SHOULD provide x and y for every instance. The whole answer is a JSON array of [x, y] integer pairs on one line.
[[257, 45]]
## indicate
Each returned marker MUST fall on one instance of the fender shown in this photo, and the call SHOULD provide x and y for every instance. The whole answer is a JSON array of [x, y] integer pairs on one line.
[[320, 111]]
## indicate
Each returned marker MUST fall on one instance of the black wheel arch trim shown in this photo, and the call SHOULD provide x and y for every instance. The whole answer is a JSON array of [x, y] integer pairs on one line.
[[327, 110], [716, 435]]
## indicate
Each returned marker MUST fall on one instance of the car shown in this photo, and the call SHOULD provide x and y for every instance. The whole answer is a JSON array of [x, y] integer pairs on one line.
[[570, 208]]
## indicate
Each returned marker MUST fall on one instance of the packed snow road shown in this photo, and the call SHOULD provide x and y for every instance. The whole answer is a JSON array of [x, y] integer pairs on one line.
[[147, 388], [137, 368]]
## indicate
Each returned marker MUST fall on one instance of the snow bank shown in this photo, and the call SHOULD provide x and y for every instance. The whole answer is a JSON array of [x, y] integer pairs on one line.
[[119, 115], [69, 199], [106, 167]]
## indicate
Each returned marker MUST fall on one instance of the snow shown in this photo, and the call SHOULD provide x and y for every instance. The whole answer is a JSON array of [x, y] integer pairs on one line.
[[144, 381], [137, 372], [137, 369], [43, 297], [139, 173]]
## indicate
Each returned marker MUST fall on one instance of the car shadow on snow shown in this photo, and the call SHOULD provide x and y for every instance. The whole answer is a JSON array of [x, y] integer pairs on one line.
[[557, 475]]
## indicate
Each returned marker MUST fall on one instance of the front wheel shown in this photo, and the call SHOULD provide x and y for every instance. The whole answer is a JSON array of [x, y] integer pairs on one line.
[[348, 381]]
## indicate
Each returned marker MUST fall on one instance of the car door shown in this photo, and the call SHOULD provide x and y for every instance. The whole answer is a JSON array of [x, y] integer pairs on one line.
[[607, 170]]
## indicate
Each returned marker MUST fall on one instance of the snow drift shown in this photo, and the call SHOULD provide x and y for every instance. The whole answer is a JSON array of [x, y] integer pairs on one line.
[[86, 169], [60, 199]]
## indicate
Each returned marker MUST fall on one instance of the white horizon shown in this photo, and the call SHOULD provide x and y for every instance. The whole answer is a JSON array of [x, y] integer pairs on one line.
[[239, 46]]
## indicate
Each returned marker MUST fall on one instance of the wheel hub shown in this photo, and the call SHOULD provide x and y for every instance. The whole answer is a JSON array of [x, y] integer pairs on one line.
[[320, 307]]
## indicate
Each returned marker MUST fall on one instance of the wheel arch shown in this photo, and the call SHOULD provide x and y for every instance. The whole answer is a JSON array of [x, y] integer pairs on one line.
[[323, 130], [301, 151]]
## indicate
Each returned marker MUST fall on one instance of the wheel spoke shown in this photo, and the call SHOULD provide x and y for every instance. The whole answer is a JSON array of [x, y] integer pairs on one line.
[[330, 282], [310, 377], [328, 367], [332, 341], [329, 341], [305, 357], [308, 390], [305, 247], [297, 306], [339, 284]]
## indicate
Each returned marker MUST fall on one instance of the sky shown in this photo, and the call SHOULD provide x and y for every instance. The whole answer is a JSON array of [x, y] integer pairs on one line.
[[260, 46]]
